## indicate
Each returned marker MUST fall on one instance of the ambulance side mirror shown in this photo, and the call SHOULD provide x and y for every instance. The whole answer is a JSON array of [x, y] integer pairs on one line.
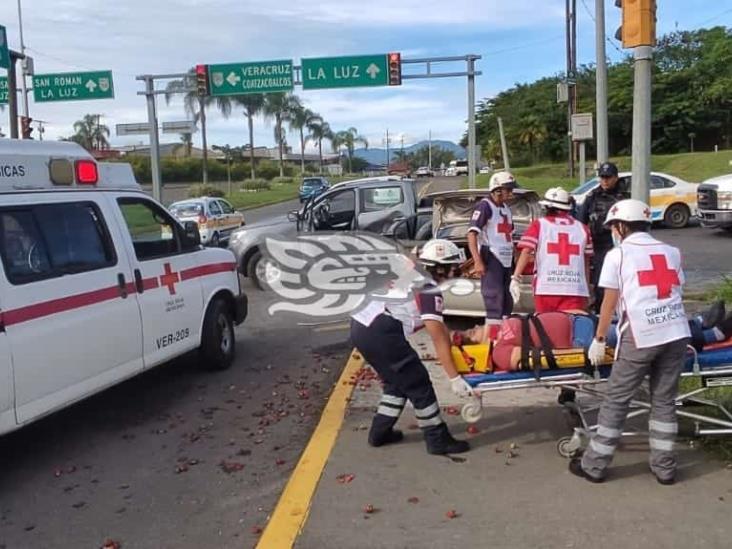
[[192, 236]]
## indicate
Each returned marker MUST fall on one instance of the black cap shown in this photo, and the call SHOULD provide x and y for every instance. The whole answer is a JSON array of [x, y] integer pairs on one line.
[[608, 169]]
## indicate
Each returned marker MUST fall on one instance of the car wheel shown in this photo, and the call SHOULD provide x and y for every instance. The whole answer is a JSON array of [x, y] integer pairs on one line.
[[215, 241], [262, 272], [218, 347], [677, 216]]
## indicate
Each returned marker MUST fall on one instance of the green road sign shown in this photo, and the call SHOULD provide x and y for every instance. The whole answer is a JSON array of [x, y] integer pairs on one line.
[[344, 72], [3, 90], [259, 77], [4, 53], [73, 86]]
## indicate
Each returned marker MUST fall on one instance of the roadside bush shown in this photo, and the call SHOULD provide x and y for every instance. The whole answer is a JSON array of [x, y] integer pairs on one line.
[[140, 167], [194, 191], [283, 180], [724, 290], [255, 185]]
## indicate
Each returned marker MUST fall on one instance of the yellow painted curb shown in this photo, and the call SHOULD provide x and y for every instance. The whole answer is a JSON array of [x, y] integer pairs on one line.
[[293, 507]]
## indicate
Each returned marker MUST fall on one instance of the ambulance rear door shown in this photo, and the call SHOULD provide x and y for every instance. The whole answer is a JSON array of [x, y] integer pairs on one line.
[[7, 396], [166, 270]]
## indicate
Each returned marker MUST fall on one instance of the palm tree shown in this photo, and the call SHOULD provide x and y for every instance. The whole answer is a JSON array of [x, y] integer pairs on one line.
[[90, 133], [186, 140], [317, 131], [532, 133], [195, 106], [300, 118], [280, 106], [253, 105], [349, 139]]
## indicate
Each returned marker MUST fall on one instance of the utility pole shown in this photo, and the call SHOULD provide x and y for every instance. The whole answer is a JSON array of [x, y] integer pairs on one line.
[[13, 93], [388, 153], [202, 106], [640, 186], [603, 148], [429, 152], [152, 120], [23, 66], [504, 148], [471, 120], [571, 13]]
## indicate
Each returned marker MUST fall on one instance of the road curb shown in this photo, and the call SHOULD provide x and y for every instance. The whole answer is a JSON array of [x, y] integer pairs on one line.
[[293, 507]]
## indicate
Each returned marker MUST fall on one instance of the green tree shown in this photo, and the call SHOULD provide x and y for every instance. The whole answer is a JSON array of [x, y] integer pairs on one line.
[[349, 139], [186, 140], [90, 133], [532, 132], [253, 105], [301, 118], [195, 107], [318, 130], [280, 107]]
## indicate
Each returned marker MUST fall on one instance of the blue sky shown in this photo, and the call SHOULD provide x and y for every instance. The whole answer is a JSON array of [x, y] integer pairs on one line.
[[519, 40]]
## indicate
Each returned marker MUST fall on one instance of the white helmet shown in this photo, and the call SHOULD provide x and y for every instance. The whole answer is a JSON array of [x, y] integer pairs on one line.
[[558, 198], [439, 251], [629, 210], [500, 180]]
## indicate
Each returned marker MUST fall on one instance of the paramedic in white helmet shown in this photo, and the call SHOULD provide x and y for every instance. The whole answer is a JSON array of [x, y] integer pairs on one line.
[[490, 240], [379, 332], [561, 248], [642, 278]]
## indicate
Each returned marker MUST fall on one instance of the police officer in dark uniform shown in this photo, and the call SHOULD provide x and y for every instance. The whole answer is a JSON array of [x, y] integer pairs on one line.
[[593, 213], [379, 332]]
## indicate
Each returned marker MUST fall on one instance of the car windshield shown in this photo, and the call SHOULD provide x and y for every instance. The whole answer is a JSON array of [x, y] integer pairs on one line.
[[586, 186], [187, 209], [311, 183]]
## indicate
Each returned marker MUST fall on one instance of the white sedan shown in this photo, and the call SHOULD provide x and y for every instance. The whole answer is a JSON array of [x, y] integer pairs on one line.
[[216, 218], [673, 200]]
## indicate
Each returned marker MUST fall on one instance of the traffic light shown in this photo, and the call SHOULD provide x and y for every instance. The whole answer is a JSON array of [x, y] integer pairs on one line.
[[25, 127], [638, 26], [395, 69], [202, 80]]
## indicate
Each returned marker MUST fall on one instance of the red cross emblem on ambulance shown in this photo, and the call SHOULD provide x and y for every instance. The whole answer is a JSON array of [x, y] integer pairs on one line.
[[660, 276], [169, 278]]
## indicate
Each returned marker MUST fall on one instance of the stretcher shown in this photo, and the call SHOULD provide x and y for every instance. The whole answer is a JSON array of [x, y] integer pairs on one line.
[[712, 368]]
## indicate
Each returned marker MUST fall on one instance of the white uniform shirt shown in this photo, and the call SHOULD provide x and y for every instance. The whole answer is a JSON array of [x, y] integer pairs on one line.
[[649, 277], [560, 257], [494, 225]]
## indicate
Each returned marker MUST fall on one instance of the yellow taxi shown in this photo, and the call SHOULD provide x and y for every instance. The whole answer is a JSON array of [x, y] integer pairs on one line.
[[673, 200], [216, 218]]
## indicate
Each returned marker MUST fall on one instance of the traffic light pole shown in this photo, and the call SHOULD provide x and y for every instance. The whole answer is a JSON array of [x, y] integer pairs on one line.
[[603, 149], [640, 187], [471, 122], [13, 93]]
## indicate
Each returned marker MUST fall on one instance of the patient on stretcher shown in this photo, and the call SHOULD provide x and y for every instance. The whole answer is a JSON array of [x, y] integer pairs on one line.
[[523, 340]]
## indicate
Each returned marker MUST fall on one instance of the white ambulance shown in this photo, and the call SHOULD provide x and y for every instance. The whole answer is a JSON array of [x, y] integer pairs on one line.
[[98, 281]]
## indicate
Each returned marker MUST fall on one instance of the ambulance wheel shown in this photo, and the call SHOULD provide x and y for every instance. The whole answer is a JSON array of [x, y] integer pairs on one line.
[[677, 216], [217, 340], [472, 411], [215, 241]]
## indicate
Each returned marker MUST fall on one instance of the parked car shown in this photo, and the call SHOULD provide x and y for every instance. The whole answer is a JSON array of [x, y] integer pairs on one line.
[[458, 167], [449, 217], [673, 200], [216, 218], [486, 170], [312, 187], [373, 204], [714, 197], [424, 171]]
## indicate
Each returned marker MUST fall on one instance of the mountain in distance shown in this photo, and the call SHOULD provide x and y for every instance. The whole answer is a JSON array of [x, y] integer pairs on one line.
[[377, 156]]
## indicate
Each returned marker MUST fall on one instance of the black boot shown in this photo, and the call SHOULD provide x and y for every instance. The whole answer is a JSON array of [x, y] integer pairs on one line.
[[714, 315], [382, 431], [440, 442]]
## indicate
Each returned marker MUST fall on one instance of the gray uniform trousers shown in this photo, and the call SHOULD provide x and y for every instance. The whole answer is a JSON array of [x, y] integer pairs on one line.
[[663, 364]]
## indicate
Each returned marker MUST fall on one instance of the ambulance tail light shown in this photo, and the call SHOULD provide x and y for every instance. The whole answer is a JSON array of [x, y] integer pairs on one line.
[[86, 172]]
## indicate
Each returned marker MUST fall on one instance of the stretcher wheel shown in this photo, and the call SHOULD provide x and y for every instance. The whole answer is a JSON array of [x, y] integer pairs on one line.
[[472, 411], [569, 447]]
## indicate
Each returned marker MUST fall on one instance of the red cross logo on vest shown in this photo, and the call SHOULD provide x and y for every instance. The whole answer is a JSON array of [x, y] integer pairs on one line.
[[563, 249], [505, 228], [169, 278], [663, 278]]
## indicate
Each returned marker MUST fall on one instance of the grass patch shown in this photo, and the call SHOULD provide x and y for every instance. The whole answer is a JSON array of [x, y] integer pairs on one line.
[[278, 193], [720, 446]]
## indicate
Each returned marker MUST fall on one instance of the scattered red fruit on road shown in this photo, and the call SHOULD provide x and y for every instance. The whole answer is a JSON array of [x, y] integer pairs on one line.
[[368, 509], [452, 411], [451, 514], [111, 544], [256, 530], [345, 478], [413, 499], [229, 467], [473, 430]]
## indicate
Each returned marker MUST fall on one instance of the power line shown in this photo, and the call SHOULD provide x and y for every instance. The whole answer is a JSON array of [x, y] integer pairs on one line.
[[69, 64], [725, 12], [525, 46], [608, 39]]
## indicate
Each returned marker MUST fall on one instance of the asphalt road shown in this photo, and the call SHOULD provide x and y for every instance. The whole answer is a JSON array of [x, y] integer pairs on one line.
[[177, 457]]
